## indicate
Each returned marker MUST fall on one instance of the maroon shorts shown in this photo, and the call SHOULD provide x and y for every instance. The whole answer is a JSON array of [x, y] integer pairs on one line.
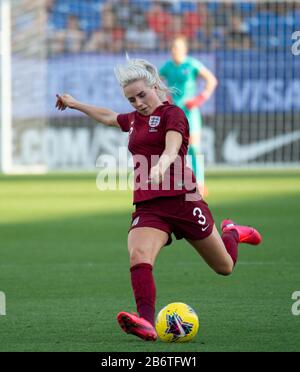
[[185, 219]]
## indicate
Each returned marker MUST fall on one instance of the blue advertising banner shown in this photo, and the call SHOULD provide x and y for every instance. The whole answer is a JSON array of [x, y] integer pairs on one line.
[[252, 118], [258, 82], [248, 82]]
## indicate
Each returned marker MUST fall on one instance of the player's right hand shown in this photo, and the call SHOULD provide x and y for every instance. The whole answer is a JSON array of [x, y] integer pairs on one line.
[[64, 101]]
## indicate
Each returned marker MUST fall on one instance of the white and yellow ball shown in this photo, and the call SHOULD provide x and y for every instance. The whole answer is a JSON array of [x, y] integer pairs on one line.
[[177, 322]]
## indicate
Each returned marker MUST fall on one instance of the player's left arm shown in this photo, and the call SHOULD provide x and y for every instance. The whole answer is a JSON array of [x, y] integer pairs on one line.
[[172, 146], [211, 83]]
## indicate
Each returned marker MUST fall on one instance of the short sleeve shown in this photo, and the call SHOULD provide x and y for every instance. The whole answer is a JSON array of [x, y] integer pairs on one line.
[[123, 121], [177, 121], [197, 65]]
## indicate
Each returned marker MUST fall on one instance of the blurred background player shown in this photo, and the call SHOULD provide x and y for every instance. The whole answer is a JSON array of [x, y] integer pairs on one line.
[[182, 73]]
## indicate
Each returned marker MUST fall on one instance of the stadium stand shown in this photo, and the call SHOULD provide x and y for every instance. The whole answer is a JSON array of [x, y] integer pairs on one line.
[[113, 26]]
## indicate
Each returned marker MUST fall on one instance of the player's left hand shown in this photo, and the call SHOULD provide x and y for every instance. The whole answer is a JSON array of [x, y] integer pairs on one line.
[[195, 102]]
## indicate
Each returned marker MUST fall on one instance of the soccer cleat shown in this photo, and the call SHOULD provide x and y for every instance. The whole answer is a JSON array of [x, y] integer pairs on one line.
[[247, 234], [140, 327]]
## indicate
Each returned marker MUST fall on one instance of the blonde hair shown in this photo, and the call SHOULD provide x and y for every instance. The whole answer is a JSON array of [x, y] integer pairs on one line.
[[140, 69]]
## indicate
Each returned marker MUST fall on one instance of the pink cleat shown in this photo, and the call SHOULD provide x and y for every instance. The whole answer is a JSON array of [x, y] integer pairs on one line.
[[140, 327], [247, 234]]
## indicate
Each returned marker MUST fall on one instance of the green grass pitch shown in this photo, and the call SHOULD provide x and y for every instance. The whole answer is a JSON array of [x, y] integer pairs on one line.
[[64, 266]]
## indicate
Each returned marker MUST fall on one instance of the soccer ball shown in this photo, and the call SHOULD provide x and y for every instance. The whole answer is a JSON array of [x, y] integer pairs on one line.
[[177, 322]]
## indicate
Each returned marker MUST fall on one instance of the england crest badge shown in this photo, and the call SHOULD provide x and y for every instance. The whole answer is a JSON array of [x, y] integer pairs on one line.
[[154, 121]]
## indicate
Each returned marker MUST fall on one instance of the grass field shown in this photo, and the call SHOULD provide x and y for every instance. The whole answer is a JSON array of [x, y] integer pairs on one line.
[[65, 272]]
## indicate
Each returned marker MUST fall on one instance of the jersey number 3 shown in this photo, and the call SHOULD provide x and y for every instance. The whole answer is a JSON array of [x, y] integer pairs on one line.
[[201, 218]]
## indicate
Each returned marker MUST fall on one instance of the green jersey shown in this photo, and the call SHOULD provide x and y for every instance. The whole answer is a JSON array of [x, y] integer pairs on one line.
[[183, 77]]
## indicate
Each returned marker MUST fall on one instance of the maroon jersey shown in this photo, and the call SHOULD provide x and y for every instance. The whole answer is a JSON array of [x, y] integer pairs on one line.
[[147, 142]]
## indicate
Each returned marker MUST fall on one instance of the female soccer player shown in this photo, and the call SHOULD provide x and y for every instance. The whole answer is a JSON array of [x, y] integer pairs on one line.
[[157, 128], [183, 72]]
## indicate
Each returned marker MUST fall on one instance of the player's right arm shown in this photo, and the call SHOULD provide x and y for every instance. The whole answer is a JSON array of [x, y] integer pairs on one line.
[[102, 115]]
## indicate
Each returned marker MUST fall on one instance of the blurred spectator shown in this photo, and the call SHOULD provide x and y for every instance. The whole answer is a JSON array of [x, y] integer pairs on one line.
[[122, 9], [49, 5], [158, 19], [281, 8], [236, 36], [28, 27], [108, 37], [171, 30], [222, 13], [209, 37], [140, 38], [127, 13], [194, 20], [69, 40]]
